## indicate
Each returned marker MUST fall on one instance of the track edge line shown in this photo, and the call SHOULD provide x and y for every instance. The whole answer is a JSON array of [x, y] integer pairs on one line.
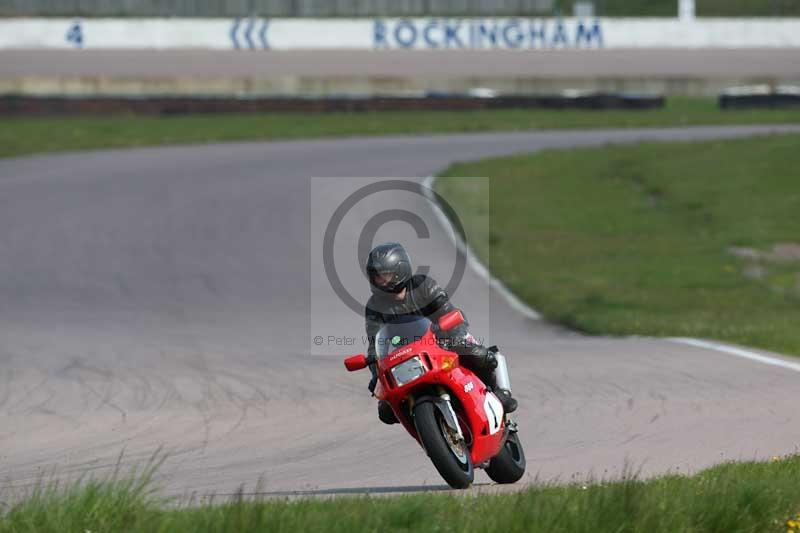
[[733, 350], [477, 266]]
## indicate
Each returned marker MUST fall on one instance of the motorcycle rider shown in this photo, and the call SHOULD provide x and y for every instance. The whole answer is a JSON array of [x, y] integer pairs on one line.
[[397, 292]]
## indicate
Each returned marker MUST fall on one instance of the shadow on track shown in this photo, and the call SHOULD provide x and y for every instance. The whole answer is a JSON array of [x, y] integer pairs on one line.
[[349, 491]]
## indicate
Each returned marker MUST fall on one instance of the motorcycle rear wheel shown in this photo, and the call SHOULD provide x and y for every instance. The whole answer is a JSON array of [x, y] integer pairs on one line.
[[508, 466], [454, 465]]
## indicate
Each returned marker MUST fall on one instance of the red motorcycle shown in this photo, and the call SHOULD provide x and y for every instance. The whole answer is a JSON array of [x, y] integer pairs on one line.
[[457, 420]]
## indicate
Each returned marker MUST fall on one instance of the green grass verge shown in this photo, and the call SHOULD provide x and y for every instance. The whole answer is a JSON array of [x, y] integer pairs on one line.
[[21, 136], [638, 239], [731, 498]]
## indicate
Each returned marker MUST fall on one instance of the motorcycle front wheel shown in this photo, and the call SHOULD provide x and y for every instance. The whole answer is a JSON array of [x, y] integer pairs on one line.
[[448, 453]]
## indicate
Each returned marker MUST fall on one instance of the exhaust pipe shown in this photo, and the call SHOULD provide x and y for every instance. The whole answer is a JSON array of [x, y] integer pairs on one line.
[[501, 372]]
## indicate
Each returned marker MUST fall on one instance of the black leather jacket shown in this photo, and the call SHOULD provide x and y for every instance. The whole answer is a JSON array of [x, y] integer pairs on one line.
[[423, 297]]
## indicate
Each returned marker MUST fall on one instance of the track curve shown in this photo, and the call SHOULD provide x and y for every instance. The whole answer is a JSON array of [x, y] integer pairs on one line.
[[165, 297]]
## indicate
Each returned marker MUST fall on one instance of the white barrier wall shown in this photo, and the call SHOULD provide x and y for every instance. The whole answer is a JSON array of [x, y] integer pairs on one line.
[[416, 33]]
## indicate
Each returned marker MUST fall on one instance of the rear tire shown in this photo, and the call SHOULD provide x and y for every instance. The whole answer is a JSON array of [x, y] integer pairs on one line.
[[458, 473], [508, 466]]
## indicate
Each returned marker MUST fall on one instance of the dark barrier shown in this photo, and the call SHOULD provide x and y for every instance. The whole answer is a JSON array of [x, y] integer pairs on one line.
[[14, 105], [753, 101]]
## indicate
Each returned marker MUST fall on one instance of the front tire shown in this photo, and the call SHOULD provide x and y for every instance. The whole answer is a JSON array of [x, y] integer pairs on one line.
[[450, 459], [508, 466]]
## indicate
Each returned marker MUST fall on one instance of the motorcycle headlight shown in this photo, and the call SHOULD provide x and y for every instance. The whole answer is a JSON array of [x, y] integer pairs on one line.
[[408, 371]]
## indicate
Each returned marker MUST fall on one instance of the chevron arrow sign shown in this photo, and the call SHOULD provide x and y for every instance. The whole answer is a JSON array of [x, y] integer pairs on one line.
[[249, 34]]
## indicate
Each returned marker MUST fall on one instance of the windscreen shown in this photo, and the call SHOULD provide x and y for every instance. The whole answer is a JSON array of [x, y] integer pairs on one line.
[[400, 332]]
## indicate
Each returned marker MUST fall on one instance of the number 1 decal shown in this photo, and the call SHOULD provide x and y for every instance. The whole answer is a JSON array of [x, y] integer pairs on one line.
[[494, 412]]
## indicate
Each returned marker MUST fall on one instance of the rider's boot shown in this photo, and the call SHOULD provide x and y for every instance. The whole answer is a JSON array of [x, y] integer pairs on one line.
[[503, 394], [385, 413], [509, 403]]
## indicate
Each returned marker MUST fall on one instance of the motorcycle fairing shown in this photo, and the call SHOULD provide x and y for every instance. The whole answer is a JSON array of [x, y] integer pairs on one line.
[[468, 393]]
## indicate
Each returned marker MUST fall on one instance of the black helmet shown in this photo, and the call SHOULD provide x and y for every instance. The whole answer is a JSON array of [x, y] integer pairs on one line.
[[388, 268]]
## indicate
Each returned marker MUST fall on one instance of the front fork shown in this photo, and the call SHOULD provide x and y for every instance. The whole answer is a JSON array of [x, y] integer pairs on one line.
[[442, 402]]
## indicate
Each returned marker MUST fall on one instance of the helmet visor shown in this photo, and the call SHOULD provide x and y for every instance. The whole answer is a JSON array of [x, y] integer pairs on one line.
[[383, 279]]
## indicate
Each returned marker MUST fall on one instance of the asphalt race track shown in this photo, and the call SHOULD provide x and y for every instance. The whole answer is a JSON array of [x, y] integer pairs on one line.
[[167, 297]]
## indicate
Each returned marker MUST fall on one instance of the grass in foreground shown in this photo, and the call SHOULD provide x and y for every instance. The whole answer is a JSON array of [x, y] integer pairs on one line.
[[21, 136], [731, 498], [690, 239]]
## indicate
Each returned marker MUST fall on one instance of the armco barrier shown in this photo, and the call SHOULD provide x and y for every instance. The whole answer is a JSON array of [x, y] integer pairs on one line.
[[59, 105], [265, 34], [772, 99]]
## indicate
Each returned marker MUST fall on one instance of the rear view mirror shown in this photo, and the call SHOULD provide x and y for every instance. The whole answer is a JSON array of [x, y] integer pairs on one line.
[[451, 320], [355, 362]]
